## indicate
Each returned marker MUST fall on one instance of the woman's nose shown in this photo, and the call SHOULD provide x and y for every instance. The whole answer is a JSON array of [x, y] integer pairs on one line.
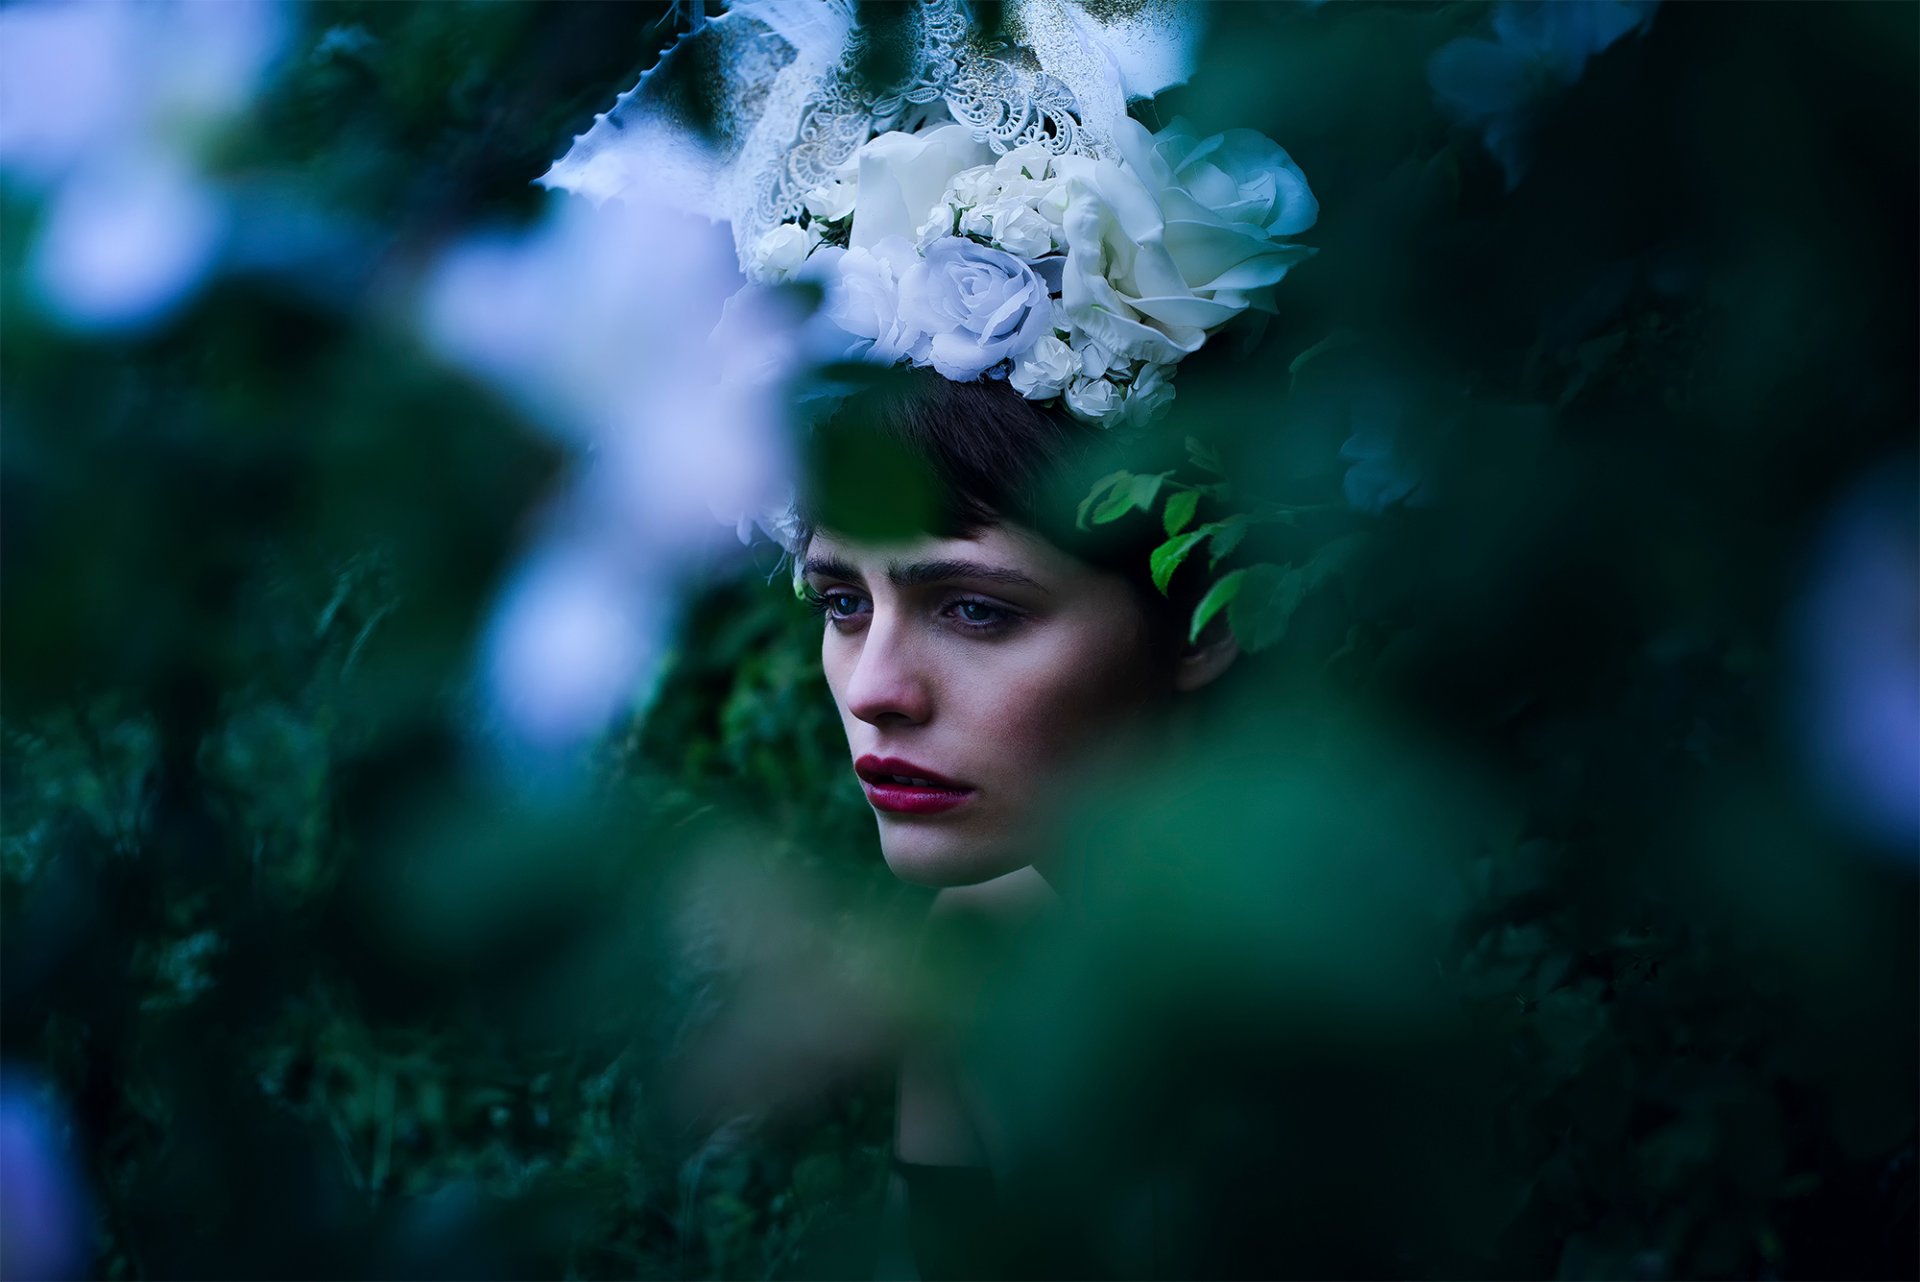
[[889, 683]]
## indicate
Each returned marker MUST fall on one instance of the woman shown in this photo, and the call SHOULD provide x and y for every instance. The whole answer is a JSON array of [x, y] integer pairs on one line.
[[974, 662], [995, 219], [978, 664]]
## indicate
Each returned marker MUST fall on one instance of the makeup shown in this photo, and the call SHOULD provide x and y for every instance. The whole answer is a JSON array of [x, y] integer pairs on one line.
[[899, 786]]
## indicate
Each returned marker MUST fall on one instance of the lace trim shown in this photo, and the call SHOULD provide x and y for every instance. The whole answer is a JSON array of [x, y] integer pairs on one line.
[[1005, 105]]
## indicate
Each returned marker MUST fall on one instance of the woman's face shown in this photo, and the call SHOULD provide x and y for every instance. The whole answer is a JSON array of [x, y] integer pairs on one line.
[[970, 674]]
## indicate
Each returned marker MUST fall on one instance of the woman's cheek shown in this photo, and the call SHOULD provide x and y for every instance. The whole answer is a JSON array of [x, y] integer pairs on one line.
[[1055, 694]]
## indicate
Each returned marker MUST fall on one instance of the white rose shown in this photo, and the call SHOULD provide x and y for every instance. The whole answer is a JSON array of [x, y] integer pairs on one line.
[[979, 305], [778, 254], [1093, 400], [943, 221], [1006, 203], [1052, 204], [1120, 288], [1045, 370], [902, 176], [1238, 177], [974, 186], [1152, 264], [1148, 397], [832, 200], [859, 316], [1019, 230], [1096, 359], [973, 222], [1018, 189], [1030, 161]]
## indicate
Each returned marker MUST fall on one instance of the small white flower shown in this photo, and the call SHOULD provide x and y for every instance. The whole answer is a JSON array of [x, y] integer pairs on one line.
[[832, 201], [976, 221], [1045, 370], [1096, 360], [974, 186], [1019, 230], [1094, 400], [944, 221], [1030, 161], [1149, 396], [1044, 196], [778, 254]]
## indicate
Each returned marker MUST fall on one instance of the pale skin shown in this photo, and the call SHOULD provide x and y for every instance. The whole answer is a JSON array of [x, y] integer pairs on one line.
[[1002, 662]]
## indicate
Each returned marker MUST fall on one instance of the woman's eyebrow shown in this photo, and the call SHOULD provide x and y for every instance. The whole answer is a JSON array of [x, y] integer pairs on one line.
[[913, 574], [830, 567], [919, 573]]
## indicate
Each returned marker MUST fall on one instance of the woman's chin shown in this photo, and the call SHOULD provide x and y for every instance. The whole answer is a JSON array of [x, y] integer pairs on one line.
[[926, 856]]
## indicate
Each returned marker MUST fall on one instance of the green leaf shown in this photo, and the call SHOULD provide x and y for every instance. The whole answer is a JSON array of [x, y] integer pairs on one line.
[[1205, 457], [1138, 492], [1146, 489], [1226, 537], [1100, 487], [1180, 509], [1167, 557], [1114, 506], [1266, 602], [1218, 597], [1264, 605]]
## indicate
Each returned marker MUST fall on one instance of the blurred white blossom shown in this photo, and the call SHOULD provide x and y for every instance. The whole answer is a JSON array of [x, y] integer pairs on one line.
[[126, 243], [623, 330], [43, 1204], [104, 105], [573, 634], [1858, 634]]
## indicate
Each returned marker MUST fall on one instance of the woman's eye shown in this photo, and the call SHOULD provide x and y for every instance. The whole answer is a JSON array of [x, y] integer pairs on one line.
[[836, 607], [979, 614]]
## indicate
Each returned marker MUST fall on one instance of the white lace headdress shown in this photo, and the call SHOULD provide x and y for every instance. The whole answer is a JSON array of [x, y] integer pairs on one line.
[[991, 212]]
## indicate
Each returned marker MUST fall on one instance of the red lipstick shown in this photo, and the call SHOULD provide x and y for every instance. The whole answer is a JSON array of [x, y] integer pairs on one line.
[[900, 786]]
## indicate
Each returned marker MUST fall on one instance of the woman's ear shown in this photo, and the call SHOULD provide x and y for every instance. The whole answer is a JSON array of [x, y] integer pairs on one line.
[[1202, 662]]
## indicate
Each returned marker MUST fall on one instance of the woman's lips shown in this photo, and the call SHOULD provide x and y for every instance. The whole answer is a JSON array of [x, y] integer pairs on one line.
[[905, 788]]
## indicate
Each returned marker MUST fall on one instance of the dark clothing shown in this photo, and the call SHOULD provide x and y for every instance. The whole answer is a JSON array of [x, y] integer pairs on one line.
[[953, 1221]]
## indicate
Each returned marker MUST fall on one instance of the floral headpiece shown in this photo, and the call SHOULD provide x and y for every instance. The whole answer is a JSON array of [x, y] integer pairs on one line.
[[995, 214]]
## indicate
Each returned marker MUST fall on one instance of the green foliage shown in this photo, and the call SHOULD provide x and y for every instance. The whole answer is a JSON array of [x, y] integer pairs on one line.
[[1168, 556], [1112, 497], [1179, 511], [1218, 597]]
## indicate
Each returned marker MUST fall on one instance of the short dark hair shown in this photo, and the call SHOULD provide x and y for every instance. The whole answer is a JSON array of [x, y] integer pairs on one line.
[[913, 452]]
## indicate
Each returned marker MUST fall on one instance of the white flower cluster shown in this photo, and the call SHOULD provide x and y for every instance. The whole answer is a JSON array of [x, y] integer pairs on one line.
[[1075, 278]]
